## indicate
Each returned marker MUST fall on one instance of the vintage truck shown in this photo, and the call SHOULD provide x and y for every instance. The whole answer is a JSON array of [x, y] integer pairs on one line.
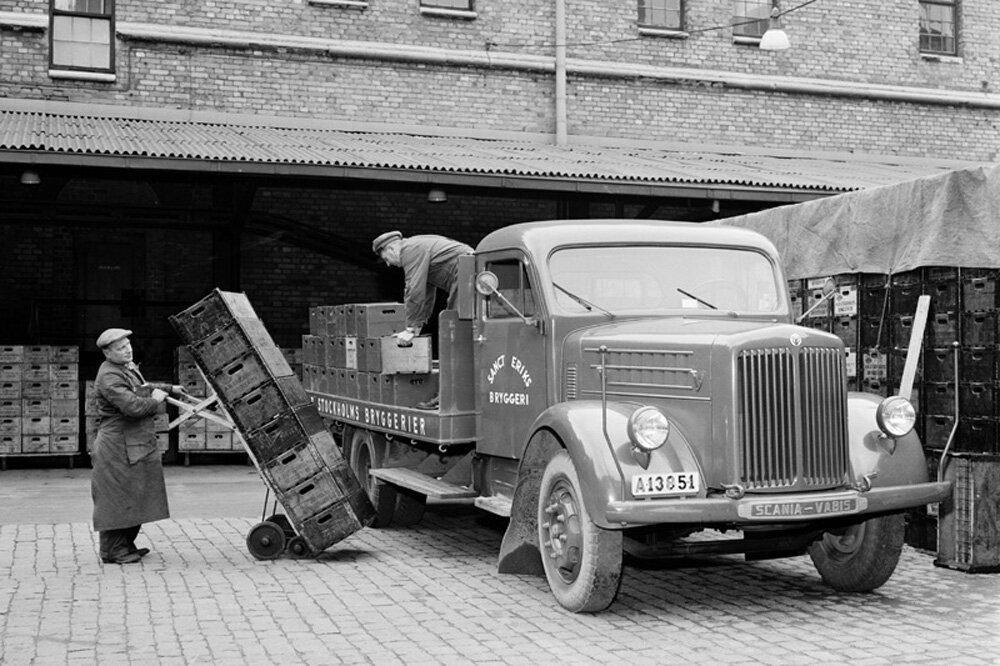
[[625, 386]]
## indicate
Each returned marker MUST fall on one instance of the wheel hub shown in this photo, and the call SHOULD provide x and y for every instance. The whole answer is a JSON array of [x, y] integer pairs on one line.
[[563, 541]]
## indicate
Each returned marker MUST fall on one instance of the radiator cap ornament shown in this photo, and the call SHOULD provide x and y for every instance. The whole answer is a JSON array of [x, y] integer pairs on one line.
[[796, 340]]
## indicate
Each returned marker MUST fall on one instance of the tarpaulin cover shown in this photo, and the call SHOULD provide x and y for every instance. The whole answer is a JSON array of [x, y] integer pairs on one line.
[[950, 219]]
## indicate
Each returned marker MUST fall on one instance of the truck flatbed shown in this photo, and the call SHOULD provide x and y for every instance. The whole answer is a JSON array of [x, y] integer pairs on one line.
[[435, 426]]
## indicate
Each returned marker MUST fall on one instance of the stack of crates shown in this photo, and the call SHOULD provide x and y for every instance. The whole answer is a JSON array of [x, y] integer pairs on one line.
[[284, 434], [39, 400], [195, 434], [962, 332], [350, 352]]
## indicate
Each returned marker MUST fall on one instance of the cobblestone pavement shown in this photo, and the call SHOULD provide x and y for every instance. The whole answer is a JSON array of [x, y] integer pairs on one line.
[[431, 595]]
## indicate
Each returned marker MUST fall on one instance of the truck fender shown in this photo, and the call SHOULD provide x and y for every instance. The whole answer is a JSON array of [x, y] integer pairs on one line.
[[884, 461], [578, 427]]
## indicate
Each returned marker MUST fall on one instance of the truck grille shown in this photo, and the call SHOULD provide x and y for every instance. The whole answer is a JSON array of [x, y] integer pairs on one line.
[[792, 418]]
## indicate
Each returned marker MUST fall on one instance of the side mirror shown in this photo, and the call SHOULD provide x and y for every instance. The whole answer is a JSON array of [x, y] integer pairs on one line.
[[487, 283]]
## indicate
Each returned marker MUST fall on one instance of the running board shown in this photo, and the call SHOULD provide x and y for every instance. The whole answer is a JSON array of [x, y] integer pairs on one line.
[[421, 483], [495, 504]]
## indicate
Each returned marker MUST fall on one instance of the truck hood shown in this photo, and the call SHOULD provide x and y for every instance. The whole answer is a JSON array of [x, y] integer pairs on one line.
[[671, 357]]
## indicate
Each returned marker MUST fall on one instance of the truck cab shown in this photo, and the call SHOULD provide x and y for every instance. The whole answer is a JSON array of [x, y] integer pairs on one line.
[[642, 387]]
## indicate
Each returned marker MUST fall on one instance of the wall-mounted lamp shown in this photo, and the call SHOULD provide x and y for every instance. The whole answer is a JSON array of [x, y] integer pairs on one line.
[[30, 177], [775, 39], [437, 195]]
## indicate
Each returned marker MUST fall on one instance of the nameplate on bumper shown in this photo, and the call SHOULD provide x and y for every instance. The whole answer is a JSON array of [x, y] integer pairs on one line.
[[785, 509]]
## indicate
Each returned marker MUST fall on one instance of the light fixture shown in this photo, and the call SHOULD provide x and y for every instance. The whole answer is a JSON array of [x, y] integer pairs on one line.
[[437, 195], [30, 177], [775, 39]]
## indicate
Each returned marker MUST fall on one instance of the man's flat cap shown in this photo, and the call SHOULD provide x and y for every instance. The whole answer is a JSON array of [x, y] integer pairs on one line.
[[112, 335], [383, 240]]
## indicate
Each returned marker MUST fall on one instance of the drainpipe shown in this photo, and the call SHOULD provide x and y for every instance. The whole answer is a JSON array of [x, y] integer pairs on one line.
[[561, 72]]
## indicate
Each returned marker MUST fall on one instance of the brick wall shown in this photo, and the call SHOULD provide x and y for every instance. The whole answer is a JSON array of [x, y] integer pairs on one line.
[[840, 40]]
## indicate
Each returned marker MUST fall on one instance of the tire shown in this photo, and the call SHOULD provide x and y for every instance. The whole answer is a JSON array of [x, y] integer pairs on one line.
[[367, 452], [409, 508], [583, 562], [860, 557], [266, 540]]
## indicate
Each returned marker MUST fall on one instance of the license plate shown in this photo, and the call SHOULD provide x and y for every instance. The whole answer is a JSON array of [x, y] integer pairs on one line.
[[797, 509], [660, 485]]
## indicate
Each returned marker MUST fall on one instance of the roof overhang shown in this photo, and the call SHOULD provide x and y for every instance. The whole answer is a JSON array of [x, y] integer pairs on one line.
[[43, 133]]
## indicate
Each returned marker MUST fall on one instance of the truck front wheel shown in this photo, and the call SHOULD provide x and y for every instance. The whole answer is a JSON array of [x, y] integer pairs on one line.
[[860, 557], [367, 451], [583, 563]]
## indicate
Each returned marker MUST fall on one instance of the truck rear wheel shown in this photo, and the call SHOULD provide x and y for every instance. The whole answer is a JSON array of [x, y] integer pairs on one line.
[[368, 451], [583, 563], [860, 557]]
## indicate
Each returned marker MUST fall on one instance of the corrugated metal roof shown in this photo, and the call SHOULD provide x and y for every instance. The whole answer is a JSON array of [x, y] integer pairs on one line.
[[241, 145]]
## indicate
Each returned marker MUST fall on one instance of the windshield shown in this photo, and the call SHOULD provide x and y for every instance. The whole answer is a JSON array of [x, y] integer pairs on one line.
[[639, 279]]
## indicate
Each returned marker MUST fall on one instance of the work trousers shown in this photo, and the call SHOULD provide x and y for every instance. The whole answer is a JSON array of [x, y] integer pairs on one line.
[[117, 543]]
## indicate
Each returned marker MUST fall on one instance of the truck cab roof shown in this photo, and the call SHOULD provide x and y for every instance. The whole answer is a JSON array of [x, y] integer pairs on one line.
[[539, 239]]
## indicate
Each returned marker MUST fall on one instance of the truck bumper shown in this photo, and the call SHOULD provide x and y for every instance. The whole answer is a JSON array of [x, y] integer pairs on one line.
[[774, 508]]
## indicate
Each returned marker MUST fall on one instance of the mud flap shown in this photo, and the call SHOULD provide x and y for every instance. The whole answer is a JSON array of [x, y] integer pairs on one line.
[[519, 552]]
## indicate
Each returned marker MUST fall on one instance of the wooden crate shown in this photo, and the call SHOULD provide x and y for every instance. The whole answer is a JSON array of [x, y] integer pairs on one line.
[[968, 529], [396, 360]]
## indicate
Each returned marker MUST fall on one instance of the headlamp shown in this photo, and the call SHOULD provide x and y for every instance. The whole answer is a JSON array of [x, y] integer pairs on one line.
[[648, 428], [896, 416]]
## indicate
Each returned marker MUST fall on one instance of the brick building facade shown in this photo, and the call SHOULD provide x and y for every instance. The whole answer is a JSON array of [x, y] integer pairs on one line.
[[855, 82]]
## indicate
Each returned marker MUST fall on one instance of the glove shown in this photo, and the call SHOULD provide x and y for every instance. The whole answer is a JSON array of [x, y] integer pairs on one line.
[[405, 337], [177, 389], [158, 395]]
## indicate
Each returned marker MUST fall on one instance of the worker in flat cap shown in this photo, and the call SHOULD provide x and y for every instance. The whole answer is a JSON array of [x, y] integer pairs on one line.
[[127, 480], [429, 263]]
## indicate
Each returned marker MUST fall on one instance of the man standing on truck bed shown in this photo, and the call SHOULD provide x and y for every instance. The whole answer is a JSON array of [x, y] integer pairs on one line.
[[430, 263]]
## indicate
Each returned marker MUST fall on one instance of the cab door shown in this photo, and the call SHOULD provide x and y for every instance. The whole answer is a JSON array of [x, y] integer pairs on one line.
[[510, 356]]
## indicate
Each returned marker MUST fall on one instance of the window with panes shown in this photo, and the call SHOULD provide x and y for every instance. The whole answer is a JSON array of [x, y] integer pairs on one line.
[[751, 17], [82, 35], [667, 14], [938, 26], [464, 5]]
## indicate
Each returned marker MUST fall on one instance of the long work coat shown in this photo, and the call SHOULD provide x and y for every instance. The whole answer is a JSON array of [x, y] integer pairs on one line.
[[127, 479]]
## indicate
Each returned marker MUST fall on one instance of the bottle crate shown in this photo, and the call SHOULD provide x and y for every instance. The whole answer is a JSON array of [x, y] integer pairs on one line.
[[903, 298], [944, 296], [977, 435], [211, 313], [10, 389], [246, 373], [977, 399], [979, 329], [11, 354], [240, 337], [939, 397], [374, 320], [941, 330], [874, 302], [36, 390], [37, 354], [979, 293], [35, 372], [10, 444], [267, 401], [289, 429], [940, 273], [65, 390], [10, 407], [64, 443], [35, 443], [968, 531], [292, 467], [64, 354], [63, 425], [875, 333], [10, 425]]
